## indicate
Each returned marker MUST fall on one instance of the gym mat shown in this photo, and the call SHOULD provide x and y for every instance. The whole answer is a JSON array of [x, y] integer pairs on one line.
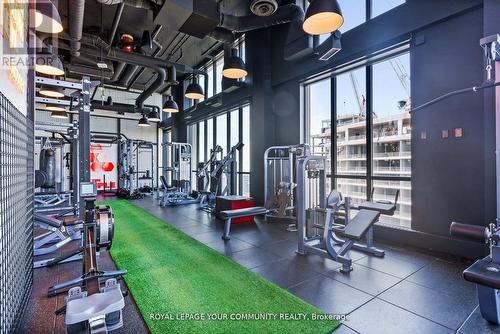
[[182, 286]]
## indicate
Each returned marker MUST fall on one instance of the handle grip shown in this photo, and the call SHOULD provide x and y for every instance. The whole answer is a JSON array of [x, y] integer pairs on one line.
[[469, 232]]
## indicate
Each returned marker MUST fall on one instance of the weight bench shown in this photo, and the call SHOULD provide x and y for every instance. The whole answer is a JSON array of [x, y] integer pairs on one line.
[[228, 215], [354, 231]]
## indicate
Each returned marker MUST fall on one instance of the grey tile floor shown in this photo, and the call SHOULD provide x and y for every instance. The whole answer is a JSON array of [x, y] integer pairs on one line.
[[405, 292]]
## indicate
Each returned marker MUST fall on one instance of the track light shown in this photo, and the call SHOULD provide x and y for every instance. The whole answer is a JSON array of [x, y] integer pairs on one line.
[[49, 64], [59, 114], [234, 67], [322, 17], [170, 105], [47, 18], [194, 90], [144, 122], [153, 116], [53, 107], [51, 91]]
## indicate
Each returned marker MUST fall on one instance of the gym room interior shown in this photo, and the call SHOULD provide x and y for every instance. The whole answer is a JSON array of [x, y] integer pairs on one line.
[[250, 166]]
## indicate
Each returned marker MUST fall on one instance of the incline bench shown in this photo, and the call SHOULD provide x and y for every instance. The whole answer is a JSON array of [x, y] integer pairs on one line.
[[228, 215]]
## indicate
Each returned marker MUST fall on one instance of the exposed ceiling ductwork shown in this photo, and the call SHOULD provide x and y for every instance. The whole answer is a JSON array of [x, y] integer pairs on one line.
[[75, 23], [284, 14]]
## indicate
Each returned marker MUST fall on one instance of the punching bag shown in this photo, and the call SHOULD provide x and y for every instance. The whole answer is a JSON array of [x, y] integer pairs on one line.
[[48, 166]]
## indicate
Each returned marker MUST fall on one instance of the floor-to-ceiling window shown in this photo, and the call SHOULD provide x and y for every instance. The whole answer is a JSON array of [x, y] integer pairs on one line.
[[369, 140], [212, 83], [226, 130]]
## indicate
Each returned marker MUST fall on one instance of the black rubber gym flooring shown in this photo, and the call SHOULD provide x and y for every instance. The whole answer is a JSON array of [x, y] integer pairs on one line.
[[405, 292]]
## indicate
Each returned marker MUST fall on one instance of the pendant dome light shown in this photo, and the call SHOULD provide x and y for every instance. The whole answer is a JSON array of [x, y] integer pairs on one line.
[[49, 64], [47, 18], [153, 116], [143, 122], [194, 90], [59, 114], [170, 105], [53, 107], [234, 67], [50, 91], [322, 17]]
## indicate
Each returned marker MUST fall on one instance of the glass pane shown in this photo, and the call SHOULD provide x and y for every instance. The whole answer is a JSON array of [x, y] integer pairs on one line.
[[245, 184], [234, 133], [351, 122], [246, 140], [210, 75], [391, 117], [201, 142], [219, 65], [210, 136], [319, 120], [354, 12], [380, 7], [353, 188], [386, 190], [222, 132], [201, 81]]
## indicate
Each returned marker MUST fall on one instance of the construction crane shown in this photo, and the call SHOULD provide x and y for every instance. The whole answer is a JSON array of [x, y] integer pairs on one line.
[[359, 97], [402, 75]]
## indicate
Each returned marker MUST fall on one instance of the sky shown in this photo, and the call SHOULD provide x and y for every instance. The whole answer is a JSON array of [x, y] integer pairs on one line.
[[387, 88]]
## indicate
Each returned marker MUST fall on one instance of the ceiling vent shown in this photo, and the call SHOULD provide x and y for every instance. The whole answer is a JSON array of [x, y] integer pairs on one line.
[[263, 7]]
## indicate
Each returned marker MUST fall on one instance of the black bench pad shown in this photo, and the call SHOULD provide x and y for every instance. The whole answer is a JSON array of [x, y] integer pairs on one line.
[[383, 208], [358, 225], [257, 210], [484, 272]]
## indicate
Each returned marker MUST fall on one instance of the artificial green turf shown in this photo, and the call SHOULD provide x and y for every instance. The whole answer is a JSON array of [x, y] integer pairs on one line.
[[171, 274]]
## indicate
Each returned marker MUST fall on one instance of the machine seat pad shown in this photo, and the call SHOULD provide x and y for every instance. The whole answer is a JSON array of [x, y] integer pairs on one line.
[[82, 309], [47, 220], [358, 225], [383, 208], [257, 210], [71, 221], [484, 272]]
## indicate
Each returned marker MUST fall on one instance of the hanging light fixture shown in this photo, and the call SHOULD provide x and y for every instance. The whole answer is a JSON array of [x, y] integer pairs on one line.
[[53, 107], [194, 90], [59, 114], [49, 64], [170, 105], [47, 18], [153, 116], [143, 122], [51, 91], [322, 17], [234, 67]]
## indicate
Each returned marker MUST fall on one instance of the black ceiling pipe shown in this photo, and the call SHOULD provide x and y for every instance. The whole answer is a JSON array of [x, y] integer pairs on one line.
[[76, 9], [116, 21], [160, 79], [222, 35], [134, 75], [284, 14], [118, 71], [116, 54], [127, 75]]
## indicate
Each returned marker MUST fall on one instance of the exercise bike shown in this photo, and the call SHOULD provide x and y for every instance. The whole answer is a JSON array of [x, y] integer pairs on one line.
[[485, 273]]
